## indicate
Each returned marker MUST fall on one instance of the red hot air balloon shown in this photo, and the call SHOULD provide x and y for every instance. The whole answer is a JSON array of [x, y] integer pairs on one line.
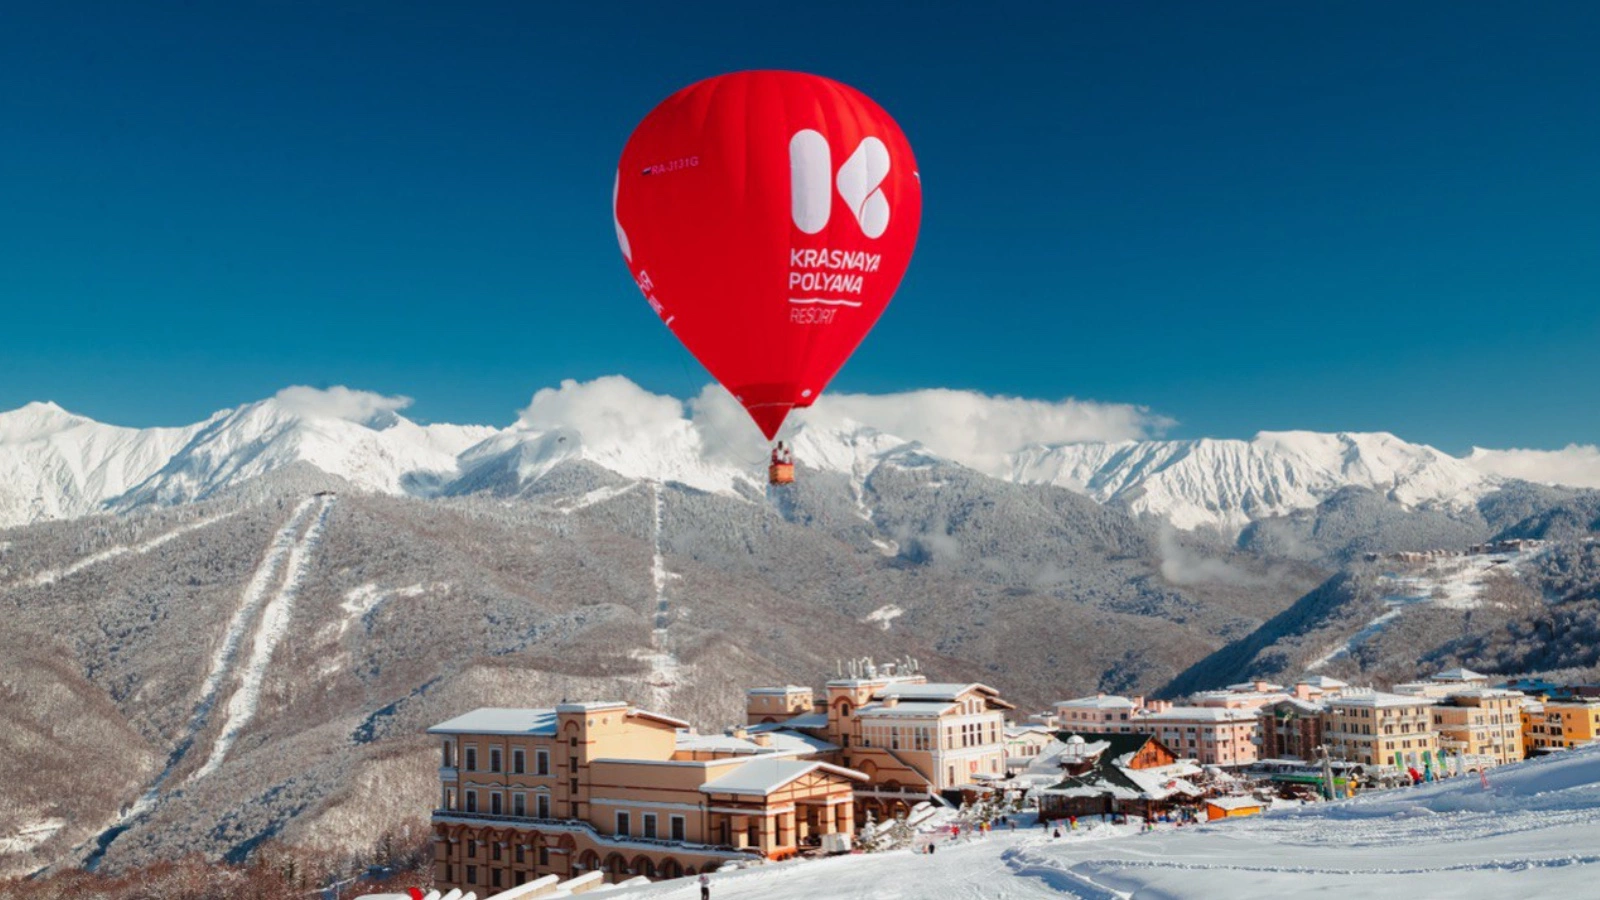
[[768, 218]]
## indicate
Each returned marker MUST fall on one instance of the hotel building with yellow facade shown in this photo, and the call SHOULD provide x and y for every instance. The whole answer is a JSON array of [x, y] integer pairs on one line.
[[605, 787], [1560, 724], [1482, 726], [1378, 728]]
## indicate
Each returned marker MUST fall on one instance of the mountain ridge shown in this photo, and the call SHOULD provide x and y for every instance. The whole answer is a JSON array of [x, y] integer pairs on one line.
[[55, 464]]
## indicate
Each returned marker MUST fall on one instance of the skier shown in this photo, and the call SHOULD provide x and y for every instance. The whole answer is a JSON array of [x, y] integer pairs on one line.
[[705, 886]]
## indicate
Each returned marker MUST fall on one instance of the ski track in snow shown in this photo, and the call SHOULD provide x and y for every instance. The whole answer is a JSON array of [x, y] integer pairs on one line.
[[599, 495], [51, 576], [664, 665], [271, 629], [1459, 581], [265, 575]]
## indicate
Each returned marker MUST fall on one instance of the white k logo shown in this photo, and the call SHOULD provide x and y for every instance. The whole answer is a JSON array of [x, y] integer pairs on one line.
[[860, 180]]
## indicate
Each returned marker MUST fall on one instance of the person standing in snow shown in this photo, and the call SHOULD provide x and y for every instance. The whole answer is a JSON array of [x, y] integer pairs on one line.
[[705, 886]]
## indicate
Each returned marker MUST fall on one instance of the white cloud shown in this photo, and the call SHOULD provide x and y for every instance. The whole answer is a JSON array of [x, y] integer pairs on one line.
[[726, 431], [339, 402], [974, 429], [980, 430], [608, 410], [1575, 466]]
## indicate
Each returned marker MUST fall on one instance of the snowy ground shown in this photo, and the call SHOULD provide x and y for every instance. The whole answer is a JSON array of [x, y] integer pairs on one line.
[[1534, 832]]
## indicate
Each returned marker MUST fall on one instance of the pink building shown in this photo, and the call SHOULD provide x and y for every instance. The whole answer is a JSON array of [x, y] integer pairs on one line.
[[1250, 695], [1100, 714], [1210, 735], [1223, 735]]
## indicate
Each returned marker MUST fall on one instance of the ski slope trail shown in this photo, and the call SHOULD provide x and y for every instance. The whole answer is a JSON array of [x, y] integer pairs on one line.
[[664, 666], [267, 573], [51, 576], [274, 624]]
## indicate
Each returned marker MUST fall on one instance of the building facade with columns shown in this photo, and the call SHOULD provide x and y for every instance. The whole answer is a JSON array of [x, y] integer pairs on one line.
[[587, 787], [910, 737]]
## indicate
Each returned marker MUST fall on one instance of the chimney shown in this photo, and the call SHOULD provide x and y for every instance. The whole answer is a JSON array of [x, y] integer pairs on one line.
[[762, 740]]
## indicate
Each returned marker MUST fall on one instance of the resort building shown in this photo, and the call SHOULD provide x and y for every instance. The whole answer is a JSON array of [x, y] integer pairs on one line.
[[1024, 742], [1380, 729], [1444, 684], [1108, 774], [1100, 714], [1561, 724], [1210, 735], [1290, 729], [1482, 727], [605, 787], [1251, 695], [911, 738]]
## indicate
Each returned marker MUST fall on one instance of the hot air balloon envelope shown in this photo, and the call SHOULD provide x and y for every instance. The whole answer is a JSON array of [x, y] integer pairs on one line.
[[768, 218]]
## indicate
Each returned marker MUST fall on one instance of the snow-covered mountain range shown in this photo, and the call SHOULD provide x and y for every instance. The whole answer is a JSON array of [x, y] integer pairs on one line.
[[54, 464]]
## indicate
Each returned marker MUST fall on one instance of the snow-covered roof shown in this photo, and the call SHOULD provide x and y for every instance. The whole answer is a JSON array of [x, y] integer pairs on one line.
[[717, 743], [1305, 707], [1323, 682], [501, 720], [1111, 701], [807, 720], [1252, 687], [780, 691], [1201, 714], [1486, 693], [497, 720], [1380, 699], [935, 690], [904, 709], [1235, 803], [589, 706], [1459, 674], [760, 777]]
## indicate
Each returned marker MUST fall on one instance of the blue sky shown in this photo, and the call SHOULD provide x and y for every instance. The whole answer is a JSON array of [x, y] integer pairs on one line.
[[1245, 216]]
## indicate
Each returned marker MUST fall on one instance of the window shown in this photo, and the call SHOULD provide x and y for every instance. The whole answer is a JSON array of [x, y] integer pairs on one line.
[[494, 877], [541, 762], [573, 787], [677, 828], [573, 742], [494, 759], [544, 856], [472, 874], [494, 850], [449, 798], [541, 805], [446, 760], [624, 827], [521, 854], [519, 804], [519, 762], [472, 853], [494, 803], [472, 759], [472, 801], [649, 825]]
